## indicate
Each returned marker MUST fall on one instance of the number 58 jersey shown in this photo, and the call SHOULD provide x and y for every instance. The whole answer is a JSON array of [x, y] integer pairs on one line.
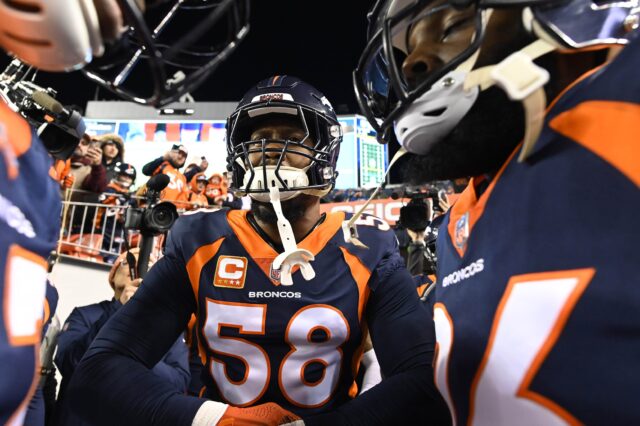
[[260, 341], [537, 307]]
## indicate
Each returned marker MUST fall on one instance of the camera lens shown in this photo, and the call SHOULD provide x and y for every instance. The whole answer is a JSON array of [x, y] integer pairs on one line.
[[160, 218]]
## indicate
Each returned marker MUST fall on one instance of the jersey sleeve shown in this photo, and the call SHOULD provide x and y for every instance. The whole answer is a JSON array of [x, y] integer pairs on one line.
[[403, 336], [113, 383]]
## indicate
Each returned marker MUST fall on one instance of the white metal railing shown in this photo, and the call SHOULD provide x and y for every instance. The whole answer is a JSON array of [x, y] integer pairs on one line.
[[95, 231]]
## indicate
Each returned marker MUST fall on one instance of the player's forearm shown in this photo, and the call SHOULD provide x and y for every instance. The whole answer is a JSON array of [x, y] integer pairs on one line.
[[404, 399], [108, 389]]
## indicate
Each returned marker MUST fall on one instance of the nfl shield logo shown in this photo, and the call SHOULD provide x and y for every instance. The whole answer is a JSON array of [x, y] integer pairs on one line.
[[462, 231], [274, 274]]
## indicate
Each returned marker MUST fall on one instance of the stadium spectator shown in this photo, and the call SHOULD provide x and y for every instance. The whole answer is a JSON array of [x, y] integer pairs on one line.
[[194, 168], [110, 221], [112, 147], [86, 166], [170, 163], [85, 322], [216, 189], [196, 197]]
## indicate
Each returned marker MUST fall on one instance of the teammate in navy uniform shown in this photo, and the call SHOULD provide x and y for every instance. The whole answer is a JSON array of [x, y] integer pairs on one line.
[[27, 236], [537, 304], [53, 36], [282, 302]]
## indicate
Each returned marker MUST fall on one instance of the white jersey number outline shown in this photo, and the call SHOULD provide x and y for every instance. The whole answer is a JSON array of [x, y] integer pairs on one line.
[[528, 322], [248, 319]]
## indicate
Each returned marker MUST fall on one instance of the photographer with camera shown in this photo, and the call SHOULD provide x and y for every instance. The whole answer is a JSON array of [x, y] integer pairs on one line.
[[84, 323], [415, 218], [420, 219]]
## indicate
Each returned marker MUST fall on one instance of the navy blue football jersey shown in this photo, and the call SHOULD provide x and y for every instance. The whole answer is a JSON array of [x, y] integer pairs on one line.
[[538, 296], [260, 341], [29, 225]]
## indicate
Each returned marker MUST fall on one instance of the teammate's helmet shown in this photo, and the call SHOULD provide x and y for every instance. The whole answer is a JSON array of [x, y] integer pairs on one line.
[[430, 109], [126, 169], [60, 35], [291, 98]]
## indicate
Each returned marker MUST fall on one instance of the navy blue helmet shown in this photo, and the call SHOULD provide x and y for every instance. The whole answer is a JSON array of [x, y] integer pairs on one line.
[[291, 99]]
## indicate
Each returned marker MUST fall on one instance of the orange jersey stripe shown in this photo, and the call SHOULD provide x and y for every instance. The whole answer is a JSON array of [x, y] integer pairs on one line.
[[607, 128], [203, 255]]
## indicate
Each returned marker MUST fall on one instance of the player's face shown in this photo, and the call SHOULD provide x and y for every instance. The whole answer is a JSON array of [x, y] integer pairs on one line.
[[200, 186], [281, 131], [436, 40], [493, 127]]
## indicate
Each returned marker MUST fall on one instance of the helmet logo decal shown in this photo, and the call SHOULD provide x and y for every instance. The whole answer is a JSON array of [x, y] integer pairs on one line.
[[272, 97], [326, 102], [462, 231]]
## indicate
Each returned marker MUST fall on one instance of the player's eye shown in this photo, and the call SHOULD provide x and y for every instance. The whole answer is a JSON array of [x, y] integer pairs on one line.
[[455, 26]]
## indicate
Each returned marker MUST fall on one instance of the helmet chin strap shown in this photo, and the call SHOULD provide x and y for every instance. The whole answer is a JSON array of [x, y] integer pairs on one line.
[[349, 229], [522, 80], [292, 255]]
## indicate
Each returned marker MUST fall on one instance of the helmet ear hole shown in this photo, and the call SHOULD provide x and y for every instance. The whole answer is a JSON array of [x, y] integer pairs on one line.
[[434, 113]]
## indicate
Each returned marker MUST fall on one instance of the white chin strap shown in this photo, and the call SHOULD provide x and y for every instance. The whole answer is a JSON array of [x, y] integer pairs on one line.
[[349, 228], [292, 255], [436, 113]]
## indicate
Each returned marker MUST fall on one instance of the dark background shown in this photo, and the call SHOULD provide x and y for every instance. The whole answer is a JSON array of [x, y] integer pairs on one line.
[[318, 41]]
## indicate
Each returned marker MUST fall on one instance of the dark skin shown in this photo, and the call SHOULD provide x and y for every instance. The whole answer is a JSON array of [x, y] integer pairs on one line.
[[303, 211], [494, 126]]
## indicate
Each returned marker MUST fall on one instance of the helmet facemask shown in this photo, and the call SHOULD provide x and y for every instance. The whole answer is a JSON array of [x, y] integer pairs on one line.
[[305, 164]]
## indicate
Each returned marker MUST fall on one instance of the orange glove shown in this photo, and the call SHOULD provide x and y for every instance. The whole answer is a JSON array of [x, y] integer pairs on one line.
[[68, 180], [269, 414]]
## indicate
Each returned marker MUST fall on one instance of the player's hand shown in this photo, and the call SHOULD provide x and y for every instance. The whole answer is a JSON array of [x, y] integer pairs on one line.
[[269, 414], [129, 290], [94, 154]]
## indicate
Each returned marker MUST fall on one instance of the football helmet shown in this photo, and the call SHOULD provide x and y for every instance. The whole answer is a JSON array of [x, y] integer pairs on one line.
[[62, 35], [421, 114], [292, 98]]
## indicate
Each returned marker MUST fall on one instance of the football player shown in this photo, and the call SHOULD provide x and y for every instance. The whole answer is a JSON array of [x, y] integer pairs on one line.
[[282, 302], [57, 35], [537, 309]]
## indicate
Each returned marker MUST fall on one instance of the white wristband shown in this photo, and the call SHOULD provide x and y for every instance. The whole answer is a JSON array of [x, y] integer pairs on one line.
[[209, 413], [372, 373]]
